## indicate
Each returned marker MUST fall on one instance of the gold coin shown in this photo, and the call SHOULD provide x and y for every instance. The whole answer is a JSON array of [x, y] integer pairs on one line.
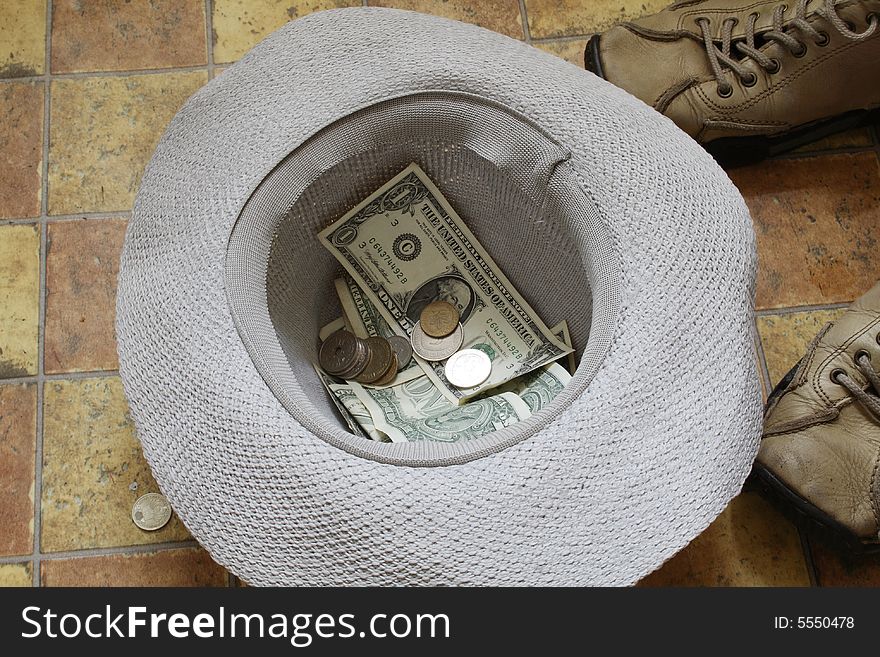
[[379, 360], [388, 377], [439, 319]]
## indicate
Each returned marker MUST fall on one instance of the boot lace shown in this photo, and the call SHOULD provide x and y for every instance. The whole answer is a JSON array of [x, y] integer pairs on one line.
[[722, 59], [871, 402]]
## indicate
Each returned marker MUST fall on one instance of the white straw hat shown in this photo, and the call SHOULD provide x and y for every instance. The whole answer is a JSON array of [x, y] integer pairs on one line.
[[598, 209]]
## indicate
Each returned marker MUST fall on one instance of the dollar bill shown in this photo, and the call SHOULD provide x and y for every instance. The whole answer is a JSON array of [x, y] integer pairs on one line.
[[350, 407], [539, 387], [331, 328], [405, 247], [562, 333], [366, 322], [418, 410]]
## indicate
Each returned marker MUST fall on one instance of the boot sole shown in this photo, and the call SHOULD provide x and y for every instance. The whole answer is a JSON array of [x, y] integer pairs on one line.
[[740, 151], [797, 508], [592, 61]]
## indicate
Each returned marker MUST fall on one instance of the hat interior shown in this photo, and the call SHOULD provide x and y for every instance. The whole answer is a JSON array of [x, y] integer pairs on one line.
[[510, 183]]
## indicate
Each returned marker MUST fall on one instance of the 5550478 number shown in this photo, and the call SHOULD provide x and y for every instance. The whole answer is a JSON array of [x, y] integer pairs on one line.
[[814, 622]]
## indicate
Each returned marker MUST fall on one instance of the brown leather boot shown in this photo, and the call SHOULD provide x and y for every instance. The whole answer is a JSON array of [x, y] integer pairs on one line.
[[750, 78], [821, 445]]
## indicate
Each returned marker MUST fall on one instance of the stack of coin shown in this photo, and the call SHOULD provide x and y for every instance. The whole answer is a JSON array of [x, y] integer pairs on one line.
[[372, 361], [438, 333]]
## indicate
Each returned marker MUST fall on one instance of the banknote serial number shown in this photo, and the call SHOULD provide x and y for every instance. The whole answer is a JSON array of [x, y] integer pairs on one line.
[[813, 622]]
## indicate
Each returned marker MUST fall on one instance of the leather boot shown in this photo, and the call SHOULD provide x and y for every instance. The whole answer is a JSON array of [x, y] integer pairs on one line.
[[821, 444], [750, 78]]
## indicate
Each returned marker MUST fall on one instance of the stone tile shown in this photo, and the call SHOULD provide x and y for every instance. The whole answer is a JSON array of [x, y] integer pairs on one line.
[[785, 337], [570, 51], [854, 138], [749, 544], [23, 35], [82, 262], [16, 574], [556, 18], [93, 469], [103, 133], [240, 24], [498, 15], [816, 220], [837, 566], [18, 433], [21, 142], [19, 299], [108, 35], [185, 567]]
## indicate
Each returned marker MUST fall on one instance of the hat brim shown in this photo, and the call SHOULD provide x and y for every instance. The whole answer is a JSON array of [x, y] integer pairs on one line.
[[656, 441]]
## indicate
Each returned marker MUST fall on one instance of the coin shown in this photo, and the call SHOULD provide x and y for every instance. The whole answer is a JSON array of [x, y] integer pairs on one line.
[[362, 355], [435, 349], [378, 361], [438, 319], [388, 377], [467, 368], [402, 349], [339, 352], [151, 512]]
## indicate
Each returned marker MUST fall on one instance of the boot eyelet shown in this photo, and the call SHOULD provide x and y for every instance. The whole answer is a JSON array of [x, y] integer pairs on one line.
[[861, 353], [835, 373], [725, 91], [878, 338], [800, 53], [823, 39], [774, 66], [750, 80]]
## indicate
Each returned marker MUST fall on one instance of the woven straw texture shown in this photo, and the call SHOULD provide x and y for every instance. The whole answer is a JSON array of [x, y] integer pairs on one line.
[[652, 260]]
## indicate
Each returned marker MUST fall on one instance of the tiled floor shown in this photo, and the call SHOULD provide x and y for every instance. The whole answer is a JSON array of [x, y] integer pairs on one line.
[[86, 89]]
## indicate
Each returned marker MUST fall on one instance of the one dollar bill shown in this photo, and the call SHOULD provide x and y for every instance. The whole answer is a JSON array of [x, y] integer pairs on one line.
[[405, 247], [417, 411]]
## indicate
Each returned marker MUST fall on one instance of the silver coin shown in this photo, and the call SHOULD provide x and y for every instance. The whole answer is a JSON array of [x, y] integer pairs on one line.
[[434, 349], [402, 349], [151, 512], [357, 365], [339, 352], [467, 368]]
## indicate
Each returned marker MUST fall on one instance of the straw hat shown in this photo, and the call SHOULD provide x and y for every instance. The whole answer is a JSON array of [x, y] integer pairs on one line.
[[598, 209]]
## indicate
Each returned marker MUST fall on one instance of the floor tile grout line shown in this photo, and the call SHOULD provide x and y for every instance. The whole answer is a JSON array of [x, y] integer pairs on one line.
[[23, 559], [41, 312], [562, 39], [527, 34], [142, 548], [107, 74], [121, 214], [791, 310], [209, 37], [60, 376]]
